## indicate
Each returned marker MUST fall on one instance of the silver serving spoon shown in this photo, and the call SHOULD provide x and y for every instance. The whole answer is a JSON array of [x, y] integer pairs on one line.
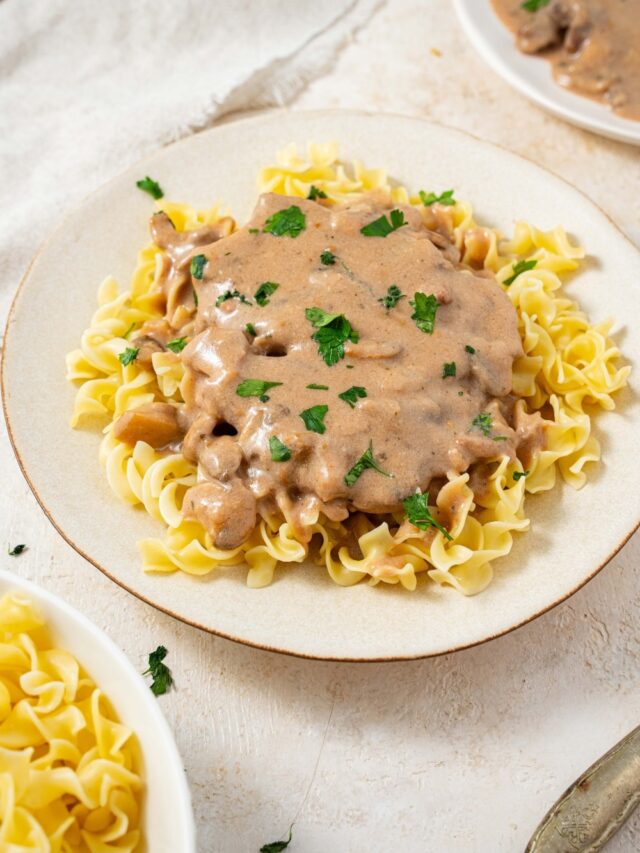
[[594, 808]]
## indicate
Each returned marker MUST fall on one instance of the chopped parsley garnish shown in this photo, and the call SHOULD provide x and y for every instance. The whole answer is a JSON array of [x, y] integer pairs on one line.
[[521, 266], [500, 438], [159, 672], [349, 366], [277, 846], [250, 329], [448, 369], [483, 422], [150, 186], [518, 475], [198, 263], [315, 193], [382, 227], [129, 330], [445, 198], [279, 451], [365, 461], [195, 296], [334, 330], [255, 388], [314, 418], [470, 349], [128, 355], [177, 344], [417, 509], [266, 289], [232, 294], [16, 550], [290, 221], [533, 5], [351, 395], [315, 387], [460, 393], [424, 313], [392, 298], [328, 258], [254, 230]]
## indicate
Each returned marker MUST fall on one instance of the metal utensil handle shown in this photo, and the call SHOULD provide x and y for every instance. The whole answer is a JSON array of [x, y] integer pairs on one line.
[[594, 808]]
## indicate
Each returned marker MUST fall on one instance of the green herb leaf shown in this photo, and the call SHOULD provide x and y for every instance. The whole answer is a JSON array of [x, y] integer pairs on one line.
[[250, 329], [500, 438], [16, 550], [418, 512], [445, 198], [290, 221], [254, 230], [150, 186], [518, 475], [277, 846], [159, 672], [328, 258], [448, 369], [365, 461], [315, 193], [129, 330], [315, 387], [470, 349], [351, 395], [392, 298], [334, 330], [128, 355], [177, 344], [266, 289], [483, 422], [279, 451], [195, 296], [521, 266], [198, 263], [382, 226], [255, 388], [232, 294], [314, 418], [533, 5], [424, 313]]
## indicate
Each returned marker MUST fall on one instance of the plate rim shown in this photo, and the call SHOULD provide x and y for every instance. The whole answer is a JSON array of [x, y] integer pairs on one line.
[[573, 115], [256, 117]]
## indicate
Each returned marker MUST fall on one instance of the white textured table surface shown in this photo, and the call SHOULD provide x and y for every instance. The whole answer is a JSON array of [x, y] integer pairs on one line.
[[463, 753]]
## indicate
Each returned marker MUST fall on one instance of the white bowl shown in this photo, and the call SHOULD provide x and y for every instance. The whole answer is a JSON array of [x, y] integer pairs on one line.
[[167, 818]]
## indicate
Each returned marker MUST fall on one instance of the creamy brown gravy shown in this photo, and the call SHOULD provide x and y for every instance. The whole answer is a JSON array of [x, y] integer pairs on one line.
[[419, 424], [593, 46]]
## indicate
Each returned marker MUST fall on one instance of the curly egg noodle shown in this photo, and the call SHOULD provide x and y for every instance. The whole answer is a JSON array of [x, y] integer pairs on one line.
[[69, 773], [570, 369]]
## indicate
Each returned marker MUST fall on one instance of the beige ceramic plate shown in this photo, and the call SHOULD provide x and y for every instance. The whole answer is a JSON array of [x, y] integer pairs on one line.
[[303, 612]]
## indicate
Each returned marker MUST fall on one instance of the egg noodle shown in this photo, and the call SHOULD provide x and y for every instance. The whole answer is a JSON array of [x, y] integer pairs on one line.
[[69, 773], [569, 370]]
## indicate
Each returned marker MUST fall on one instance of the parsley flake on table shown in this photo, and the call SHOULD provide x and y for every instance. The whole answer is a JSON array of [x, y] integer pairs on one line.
[[232, 294], [448, 369], [394, 295], [277, 846], [148, 185], [328, 258], [351, 395], [159, 672], [255, 388], [198, 263], [445, 198], [382, 226], [315, 193], [518, 475], [314, 418], [483, 422], [366, 461], [16, 550], [128, 355], [417, 508], [315, 387], [470, 349], [334, 330], [533, 5], [279, 451], [520, 267], [424, 313], [266, 289], [290, 221], [177, 344]]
